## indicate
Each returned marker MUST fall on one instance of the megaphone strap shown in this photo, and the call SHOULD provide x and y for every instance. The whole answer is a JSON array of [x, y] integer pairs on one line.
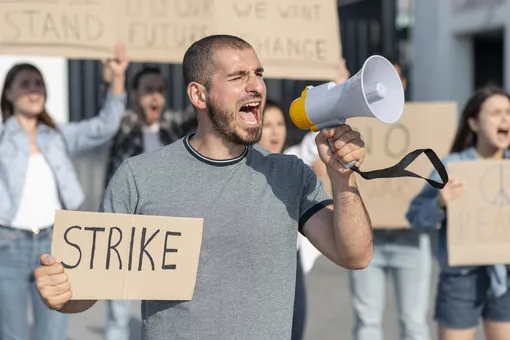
[[399, 169]]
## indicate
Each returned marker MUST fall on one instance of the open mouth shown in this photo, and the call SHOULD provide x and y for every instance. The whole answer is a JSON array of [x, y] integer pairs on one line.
[[250, 113], [503, 132], [154, 109]]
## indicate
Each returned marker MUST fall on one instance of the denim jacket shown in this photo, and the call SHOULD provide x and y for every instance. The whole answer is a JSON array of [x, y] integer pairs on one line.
[[57, 146], [425, 213]]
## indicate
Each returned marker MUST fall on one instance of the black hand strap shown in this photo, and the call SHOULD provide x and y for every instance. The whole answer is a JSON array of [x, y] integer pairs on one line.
[[399, 169]]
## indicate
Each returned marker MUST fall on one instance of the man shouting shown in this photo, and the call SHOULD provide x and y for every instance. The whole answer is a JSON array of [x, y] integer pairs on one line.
[[253, 204]]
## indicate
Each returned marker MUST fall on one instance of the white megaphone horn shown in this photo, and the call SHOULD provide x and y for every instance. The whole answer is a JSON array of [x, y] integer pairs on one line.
[[375, 91]]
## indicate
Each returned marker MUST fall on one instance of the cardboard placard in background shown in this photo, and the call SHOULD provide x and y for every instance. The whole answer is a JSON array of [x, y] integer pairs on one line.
[[162, 31], [58, 28], [294, 39], [478, 228], [132, 257], [422, 125]]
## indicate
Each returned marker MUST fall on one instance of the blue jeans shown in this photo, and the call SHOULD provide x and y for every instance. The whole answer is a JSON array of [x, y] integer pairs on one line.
[[119, 315], [463, 299], [20, 253], [406, 255]]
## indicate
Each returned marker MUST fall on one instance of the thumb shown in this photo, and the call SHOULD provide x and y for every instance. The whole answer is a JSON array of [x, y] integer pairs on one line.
[[323, 136], [47, 260]]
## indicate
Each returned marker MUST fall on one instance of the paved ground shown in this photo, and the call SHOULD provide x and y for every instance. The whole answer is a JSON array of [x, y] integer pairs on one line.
[[330, 315]]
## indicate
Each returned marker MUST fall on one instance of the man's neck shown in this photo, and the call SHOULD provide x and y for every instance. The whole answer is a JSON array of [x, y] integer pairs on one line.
[[212, 146]]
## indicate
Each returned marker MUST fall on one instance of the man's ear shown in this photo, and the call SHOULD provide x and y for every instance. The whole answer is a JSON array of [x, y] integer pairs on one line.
[[197, 95]]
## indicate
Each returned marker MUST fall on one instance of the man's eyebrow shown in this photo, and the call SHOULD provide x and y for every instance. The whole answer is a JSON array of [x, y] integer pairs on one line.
[[242, 73], [237, 73]]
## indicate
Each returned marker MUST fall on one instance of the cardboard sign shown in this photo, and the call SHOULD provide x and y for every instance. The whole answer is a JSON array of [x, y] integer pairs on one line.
[[295, 39], [120, 256], [422, 125], [478, 227], [58, 28]]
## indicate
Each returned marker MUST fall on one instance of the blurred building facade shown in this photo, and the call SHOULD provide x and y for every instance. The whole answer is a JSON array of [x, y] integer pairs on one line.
[[458, 46]]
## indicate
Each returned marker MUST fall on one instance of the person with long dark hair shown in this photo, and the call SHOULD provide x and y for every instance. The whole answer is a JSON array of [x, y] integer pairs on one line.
[[467, 293], [37, 177]]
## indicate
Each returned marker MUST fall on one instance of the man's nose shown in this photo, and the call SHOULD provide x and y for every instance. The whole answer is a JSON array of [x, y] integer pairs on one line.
[[255, 84]]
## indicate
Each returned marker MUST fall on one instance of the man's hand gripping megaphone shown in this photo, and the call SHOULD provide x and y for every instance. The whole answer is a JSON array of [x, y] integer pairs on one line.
[[341, 148], [375, 91]]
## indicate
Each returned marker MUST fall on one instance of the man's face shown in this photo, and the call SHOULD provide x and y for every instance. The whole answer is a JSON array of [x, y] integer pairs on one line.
[[236, 96], [151, 96]]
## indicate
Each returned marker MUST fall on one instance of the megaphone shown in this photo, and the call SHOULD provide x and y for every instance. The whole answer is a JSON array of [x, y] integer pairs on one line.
[[375, 91]]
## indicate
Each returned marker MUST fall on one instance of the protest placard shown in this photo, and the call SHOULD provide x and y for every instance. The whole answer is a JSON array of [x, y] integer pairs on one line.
[[422, 125], [58, 28], [478, 229], [161, 31], [294, 39], [122, 256]]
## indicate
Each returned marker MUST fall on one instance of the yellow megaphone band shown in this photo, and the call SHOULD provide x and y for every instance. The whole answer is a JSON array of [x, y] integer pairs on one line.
[[298, 114]]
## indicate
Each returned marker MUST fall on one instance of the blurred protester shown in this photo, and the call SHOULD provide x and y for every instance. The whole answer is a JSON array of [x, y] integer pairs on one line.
[[466, 294], [307, 253], [274, 137], [405, 255], [37, 177], [148, 127], [307, 151]]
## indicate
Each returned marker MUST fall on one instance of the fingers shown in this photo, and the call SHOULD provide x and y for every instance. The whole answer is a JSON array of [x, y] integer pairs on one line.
[[346, 145], [52, 283], [455, 183], [56, 302], [48, 267], [323, 136], [120, 52], [333, 133], [342, 73], [47, 260], [349, 139]]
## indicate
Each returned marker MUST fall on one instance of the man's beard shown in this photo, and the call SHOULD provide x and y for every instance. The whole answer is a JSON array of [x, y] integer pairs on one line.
[[225, 126]]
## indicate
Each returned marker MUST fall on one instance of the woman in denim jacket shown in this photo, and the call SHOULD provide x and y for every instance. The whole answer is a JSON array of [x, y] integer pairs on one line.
[[37, 177], [464, 294]]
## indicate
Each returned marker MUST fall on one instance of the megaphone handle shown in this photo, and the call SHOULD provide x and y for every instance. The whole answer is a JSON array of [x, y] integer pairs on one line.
[[348, 165]]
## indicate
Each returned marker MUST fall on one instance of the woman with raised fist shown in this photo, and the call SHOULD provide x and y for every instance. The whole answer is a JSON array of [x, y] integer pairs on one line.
[[37, 177]]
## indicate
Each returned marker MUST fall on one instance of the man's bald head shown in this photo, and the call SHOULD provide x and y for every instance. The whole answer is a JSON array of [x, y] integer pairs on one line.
[[198, 63]]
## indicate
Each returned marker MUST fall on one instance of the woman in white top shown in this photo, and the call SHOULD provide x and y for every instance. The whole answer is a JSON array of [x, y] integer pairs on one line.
[[37, 177]]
